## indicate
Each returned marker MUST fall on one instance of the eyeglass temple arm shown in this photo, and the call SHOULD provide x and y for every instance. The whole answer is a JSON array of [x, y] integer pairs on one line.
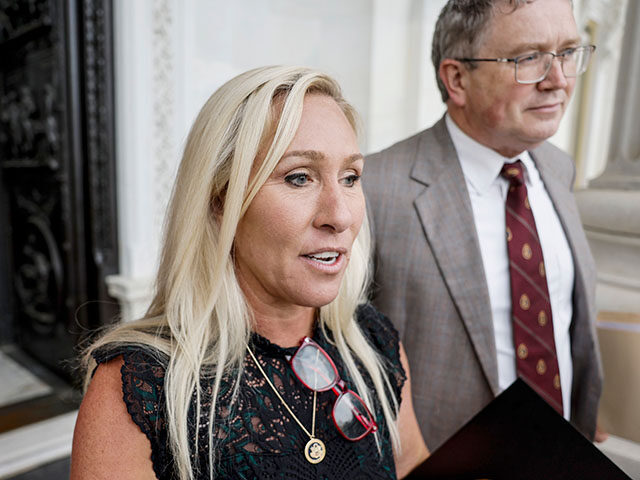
[[499, 60]]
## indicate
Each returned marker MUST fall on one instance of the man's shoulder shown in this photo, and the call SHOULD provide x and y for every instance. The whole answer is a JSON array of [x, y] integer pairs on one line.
[[407, 150], [549, 149], [553, 161], [403, 147]]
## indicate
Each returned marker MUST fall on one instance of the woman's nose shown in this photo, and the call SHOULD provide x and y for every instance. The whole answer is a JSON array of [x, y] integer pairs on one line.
[[333, 209]]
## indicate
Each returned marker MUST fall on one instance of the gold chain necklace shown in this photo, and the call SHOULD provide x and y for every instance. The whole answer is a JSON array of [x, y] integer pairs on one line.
[[314, 450]]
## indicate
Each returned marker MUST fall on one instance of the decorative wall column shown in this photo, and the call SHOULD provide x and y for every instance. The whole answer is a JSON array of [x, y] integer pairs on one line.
[[146, 142], [610, 206], [623, 168], [602, 23], [610, 210]]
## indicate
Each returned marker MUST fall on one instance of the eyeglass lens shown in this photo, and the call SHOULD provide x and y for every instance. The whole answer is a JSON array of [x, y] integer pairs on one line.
[[314, 368], [535, 67], [351, 416]]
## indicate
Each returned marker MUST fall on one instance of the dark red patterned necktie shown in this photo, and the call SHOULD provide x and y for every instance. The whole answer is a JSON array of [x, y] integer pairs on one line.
[[536, 360]]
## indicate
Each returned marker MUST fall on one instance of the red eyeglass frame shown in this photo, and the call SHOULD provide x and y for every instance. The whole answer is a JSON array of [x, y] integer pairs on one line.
[[338, 387]]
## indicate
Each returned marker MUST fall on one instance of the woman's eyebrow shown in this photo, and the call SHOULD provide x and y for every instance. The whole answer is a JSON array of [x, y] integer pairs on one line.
[[315, 155], [311, 154], [354, 157]]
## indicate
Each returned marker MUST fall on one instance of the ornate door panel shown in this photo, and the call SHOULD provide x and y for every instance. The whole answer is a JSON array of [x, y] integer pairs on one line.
[[56, 156]]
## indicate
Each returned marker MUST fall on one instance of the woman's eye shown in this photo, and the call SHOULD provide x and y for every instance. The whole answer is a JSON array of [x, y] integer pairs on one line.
[[351, 180], [297, 179]]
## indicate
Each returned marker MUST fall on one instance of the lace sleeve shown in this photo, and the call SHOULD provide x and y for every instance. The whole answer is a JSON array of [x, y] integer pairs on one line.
[[143, 394], [384, 338]]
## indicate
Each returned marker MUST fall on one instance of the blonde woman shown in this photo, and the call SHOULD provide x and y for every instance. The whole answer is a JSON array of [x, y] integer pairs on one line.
[[258, 357]]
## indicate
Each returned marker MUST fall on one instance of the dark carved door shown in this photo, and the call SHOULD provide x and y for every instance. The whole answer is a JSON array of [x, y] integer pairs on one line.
[[58, 216]]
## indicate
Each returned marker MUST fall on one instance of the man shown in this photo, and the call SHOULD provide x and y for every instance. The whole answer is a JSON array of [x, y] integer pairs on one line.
[[475, 310]]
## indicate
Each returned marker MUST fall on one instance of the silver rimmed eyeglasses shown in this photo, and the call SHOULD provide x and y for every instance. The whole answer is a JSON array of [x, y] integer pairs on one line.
[[534, 67]]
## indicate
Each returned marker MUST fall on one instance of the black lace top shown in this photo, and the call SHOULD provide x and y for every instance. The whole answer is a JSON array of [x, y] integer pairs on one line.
[[255, 437]]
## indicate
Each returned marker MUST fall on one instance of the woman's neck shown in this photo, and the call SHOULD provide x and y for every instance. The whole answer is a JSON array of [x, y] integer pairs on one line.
[[280, 322], [285, 328]]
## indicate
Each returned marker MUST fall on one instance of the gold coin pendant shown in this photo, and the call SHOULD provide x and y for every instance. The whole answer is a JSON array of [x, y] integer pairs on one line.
[[315, 451]]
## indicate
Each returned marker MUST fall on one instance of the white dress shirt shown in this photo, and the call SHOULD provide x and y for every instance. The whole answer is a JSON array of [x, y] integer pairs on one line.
[[488, 192]]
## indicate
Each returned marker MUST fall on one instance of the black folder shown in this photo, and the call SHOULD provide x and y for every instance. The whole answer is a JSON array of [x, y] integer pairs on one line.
[[518, 436]]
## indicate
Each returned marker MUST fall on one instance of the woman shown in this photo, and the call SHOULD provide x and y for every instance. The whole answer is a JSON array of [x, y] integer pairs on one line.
[[266, 243]]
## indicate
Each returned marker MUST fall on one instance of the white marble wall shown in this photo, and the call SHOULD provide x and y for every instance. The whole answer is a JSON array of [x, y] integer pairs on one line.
[[610, 210]]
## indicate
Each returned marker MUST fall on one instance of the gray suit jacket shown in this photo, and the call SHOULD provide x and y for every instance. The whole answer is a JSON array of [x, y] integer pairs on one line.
[[430, 280]]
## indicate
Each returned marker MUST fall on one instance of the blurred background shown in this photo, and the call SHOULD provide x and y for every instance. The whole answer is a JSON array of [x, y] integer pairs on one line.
[[96, 98]]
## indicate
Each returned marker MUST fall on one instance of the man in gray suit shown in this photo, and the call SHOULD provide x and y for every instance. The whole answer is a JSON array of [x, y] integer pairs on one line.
[[506, 70]]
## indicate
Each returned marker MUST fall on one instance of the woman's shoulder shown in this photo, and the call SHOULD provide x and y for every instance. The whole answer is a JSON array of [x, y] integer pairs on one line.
[[383, 336], [134, 374], [378, 329], [143, 355], [142, 373], [95, 449]]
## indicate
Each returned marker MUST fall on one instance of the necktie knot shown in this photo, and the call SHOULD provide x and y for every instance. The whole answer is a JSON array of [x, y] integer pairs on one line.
[[514, 172]]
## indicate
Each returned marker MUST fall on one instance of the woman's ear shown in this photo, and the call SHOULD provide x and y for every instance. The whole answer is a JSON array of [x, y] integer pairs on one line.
[[453, 74], [217, 206]]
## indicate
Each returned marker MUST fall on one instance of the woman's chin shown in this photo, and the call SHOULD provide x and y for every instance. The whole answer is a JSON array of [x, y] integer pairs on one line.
[[318, 298]]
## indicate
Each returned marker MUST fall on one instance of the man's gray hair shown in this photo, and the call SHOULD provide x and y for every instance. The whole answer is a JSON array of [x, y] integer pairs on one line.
[[460, 28]]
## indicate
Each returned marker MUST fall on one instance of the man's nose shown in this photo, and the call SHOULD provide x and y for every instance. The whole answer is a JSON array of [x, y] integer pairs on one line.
[[555, 78]]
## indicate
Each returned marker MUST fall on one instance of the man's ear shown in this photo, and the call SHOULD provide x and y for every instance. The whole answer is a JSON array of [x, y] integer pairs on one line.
[[453, 74]]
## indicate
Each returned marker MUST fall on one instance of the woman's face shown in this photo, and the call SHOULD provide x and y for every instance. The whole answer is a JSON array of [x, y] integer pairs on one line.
[[294, 242]]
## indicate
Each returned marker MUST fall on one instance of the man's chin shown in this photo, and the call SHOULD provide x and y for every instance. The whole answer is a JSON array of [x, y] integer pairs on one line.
[[540, 131]]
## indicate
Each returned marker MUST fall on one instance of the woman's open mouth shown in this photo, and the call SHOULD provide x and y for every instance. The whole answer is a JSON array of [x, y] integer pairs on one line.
[[324, 258]]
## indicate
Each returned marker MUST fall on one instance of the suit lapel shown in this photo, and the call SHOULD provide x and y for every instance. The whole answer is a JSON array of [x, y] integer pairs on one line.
[[564, 205], [566, 209], [444, 209]]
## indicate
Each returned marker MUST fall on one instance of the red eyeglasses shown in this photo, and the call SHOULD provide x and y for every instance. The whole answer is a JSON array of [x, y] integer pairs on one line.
[[315, 369]]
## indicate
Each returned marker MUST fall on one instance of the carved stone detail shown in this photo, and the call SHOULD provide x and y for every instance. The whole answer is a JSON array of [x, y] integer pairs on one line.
[[29, 128], [39, 277], [98, 89], [608, 15], [18, 18], [57, 161], [623, 167], [163, 105]]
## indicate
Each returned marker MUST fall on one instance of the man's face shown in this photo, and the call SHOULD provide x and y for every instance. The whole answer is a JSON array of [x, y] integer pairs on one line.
[[507, 116]]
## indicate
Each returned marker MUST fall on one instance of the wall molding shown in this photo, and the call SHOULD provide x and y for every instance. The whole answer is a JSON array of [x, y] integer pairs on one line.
[[34, 445]]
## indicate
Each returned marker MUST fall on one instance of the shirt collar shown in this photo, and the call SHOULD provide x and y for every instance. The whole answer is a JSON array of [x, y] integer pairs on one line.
[[481, 165]]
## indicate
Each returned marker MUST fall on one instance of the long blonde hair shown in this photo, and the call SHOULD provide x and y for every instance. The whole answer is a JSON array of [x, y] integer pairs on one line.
[[199, 317]]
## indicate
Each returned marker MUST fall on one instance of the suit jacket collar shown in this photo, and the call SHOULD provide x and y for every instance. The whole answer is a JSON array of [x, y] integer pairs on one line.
[[555, 182], [444, 209], [545, 158]]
